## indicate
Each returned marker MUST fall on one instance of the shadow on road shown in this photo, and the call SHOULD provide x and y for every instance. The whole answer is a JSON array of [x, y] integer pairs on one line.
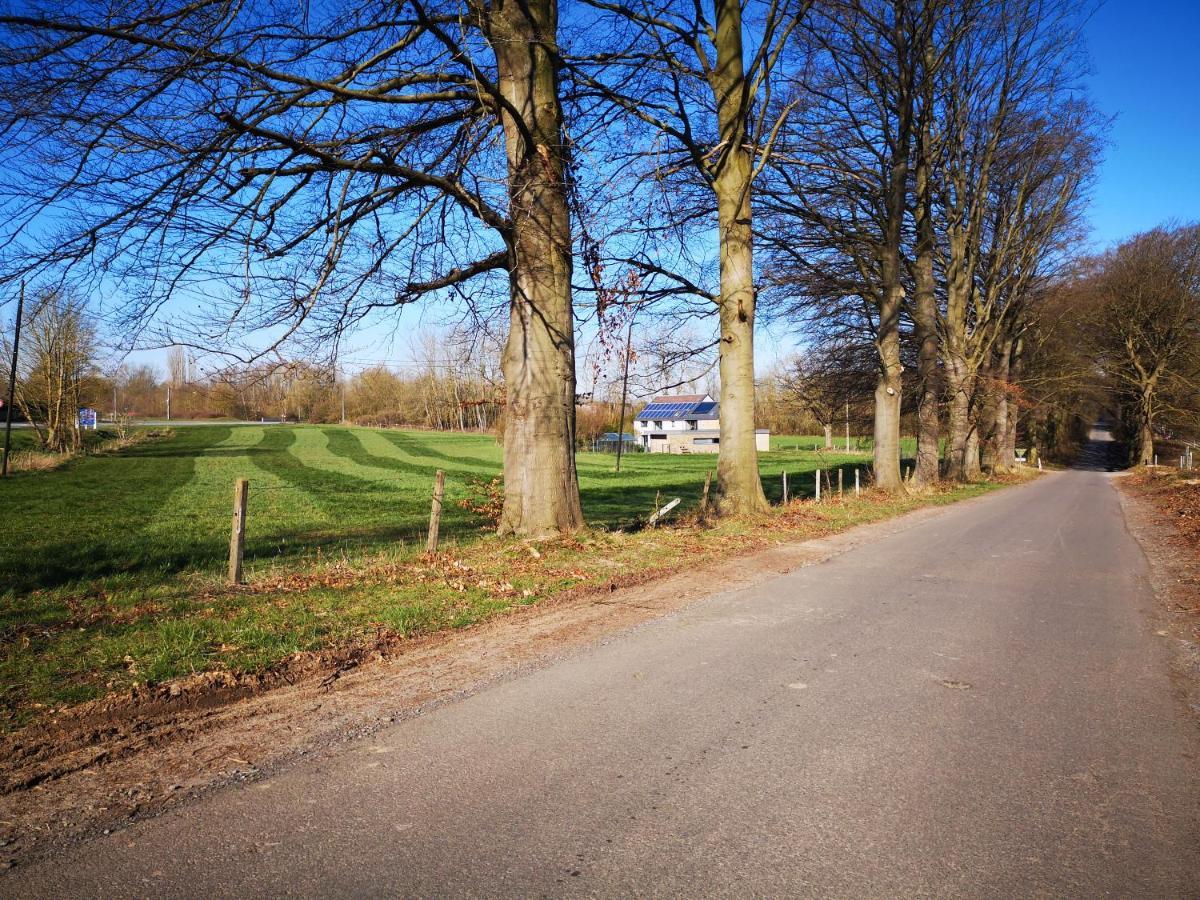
[[1102, 452]]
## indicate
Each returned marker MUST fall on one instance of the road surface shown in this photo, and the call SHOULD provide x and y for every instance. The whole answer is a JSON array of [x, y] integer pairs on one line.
[[975, 706]]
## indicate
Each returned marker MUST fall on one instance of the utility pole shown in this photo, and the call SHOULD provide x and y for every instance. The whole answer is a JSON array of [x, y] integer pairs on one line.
[[624, 392], [847, 426], [12, 382]]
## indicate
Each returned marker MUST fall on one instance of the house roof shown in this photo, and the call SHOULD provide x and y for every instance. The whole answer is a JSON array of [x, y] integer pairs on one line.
[[684, 406]]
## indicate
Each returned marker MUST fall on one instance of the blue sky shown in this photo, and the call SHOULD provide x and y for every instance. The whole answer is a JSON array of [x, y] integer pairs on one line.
[[1146, 72], [1145, 62]]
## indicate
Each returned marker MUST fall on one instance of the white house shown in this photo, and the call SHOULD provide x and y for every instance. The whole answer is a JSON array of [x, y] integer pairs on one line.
[[685, 423]]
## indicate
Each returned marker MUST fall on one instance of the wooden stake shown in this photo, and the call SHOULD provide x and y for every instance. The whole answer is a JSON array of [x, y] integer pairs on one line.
[[704, 496], [839, 482], [237, 538], [818, 497], [785, 488], [435, 512], [856, 487]]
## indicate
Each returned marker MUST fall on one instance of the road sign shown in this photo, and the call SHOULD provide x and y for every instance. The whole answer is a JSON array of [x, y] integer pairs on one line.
[[87, 418]]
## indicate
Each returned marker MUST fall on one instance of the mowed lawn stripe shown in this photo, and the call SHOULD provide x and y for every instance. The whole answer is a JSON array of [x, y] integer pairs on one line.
[[90, 518], [355, 506], [464, 456], [199, 511]]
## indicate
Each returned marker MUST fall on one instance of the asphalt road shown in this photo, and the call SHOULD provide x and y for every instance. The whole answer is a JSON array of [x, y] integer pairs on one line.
[[975, 706]]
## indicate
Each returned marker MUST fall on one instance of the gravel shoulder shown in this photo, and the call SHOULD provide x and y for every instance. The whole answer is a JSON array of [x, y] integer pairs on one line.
[[1165, 521]]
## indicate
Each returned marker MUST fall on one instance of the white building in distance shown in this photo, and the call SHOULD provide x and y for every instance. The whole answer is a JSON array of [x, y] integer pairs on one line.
[[685, 423]]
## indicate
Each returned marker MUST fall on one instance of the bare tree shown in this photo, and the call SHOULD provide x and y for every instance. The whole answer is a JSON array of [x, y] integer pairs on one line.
[[839, 201], [296, 172], [1002, 91], [825, 380], [1144, 327], [57, 358], [683, 71]]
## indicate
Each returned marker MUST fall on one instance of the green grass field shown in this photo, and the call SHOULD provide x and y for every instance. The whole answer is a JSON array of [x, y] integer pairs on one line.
[[111, 566], [160, 508]]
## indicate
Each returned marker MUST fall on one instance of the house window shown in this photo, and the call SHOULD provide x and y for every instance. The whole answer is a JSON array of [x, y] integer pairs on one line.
[[658, 424], [693, 425]]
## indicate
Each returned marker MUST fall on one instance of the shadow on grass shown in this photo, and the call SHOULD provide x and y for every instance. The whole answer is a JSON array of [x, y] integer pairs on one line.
[[803, 484], [625, 505], [117, 542], [349, 445], [416, 447]]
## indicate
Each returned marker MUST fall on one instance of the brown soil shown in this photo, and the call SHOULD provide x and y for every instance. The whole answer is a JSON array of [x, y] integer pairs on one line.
[[1163, 513], [104, 764]]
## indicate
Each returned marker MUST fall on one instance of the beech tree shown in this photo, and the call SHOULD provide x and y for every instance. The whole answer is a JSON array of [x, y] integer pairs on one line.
[[684, 72], [842, 181], [1143, 329], [1001, 89], [261, 177]]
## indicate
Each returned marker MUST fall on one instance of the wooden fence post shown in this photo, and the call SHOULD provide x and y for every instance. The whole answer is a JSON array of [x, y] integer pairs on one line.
[[704, 496], [839, 481], [856, 487], [435, 512], [818, 496], [237, 538], [785, 489]]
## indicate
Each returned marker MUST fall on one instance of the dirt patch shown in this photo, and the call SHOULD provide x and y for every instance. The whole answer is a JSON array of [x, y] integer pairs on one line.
[[104, 764], [1162, 512]]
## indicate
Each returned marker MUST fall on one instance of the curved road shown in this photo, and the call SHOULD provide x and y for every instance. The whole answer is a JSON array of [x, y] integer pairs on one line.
[[975, 706]]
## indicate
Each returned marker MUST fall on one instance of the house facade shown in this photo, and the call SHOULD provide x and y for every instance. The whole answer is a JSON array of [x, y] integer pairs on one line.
[[685, 423]]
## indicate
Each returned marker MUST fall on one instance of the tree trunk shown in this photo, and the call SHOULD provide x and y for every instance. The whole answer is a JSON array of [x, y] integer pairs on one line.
[[828, 426], [739, 488], [1009, 452], [541, 487], [962, 462], [1144, 451], [994, 419], [887, 408], [962, 439], [888, 386], [924, 312]]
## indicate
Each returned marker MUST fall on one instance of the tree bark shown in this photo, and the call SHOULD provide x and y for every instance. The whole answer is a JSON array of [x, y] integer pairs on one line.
[[924, 312], [828, 426], [994, 421], [887, 401], [541, 487], [1143, 454], [962, 438], [962, 457], [739, 488]]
